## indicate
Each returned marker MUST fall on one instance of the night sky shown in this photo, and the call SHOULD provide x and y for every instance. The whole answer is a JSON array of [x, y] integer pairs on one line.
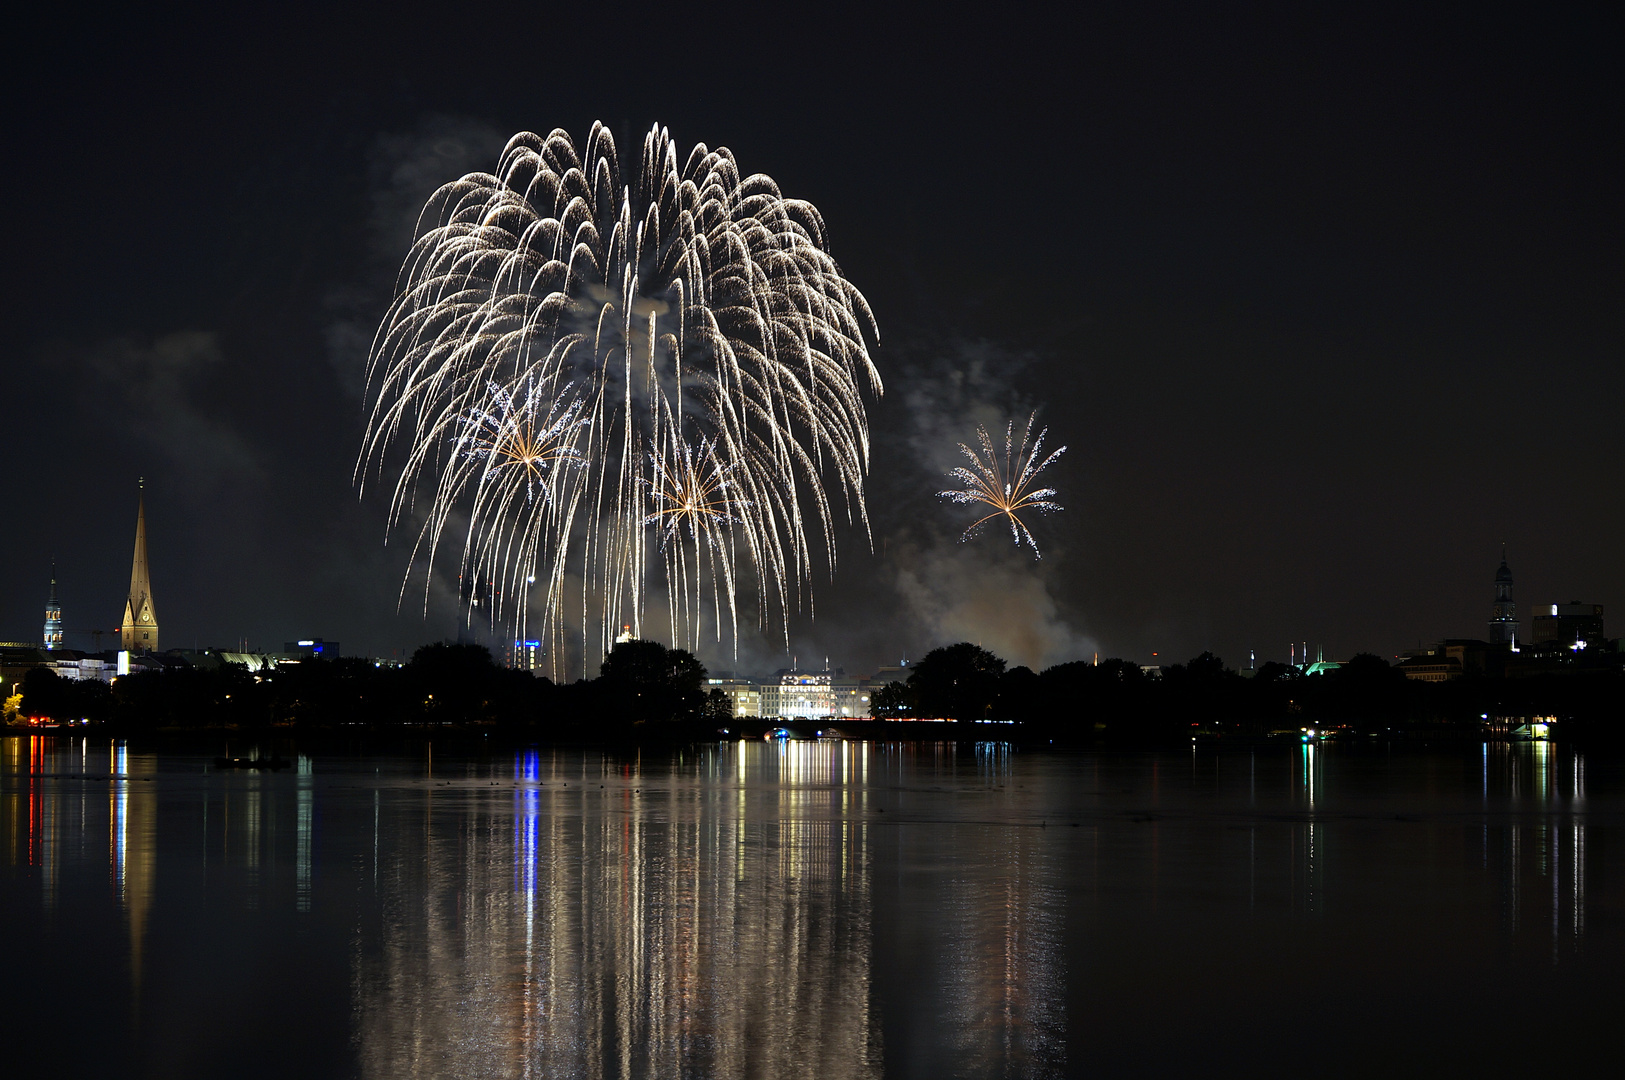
[[1325, 305]]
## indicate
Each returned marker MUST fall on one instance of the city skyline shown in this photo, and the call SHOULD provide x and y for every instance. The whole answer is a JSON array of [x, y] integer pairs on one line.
[[1323, 306], [1505, 630]]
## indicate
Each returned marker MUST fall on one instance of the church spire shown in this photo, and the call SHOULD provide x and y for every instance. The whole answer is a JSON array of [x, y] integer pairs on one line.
[[53, 615], [140, 628], [1504, 613]]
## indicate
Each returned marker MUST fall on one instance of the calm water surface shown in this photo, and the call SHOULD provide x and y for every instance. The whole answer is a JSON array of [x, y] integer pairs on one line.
[[810, 909]]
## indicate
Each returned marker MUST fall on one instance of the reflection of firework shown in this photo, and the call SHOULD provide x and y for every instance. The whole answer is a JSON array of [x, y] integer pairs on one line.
[[586, 370], [1005, 485]]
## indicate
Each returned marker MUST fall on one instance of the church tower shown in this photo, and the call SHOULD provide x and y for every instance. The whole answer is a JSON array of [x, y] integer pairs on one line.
[[1504, 615], [53, 616], [140, 628]]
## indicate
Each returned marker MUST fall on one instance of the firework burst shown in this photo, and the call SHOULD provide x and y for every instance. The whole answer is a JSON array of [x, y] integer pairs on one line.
[[691, 488], [1005, 484], [690, 491], [592, 380], [519, 441]]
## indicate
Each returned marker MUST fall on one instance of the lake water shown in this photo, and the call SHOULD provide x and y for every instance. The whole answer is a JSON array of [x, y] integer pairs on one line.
[[809, 909]]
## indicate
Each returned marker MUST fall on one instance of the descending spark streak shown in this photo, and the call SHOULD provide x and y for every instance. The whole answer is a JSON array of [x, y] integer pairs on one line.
[[692, 488], [577, 371], [1005, 484]]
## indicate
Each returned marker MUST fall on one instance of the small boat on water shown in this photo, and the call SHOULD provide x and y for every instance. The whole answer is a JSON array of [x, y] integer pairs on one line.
[[251, 763]]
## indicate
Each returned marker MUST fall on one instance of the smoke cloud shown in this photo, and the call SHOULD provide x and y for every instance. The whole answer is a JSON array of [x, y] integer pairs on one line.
[[155, 398], [405, 168], [987, 591], [964, 594]]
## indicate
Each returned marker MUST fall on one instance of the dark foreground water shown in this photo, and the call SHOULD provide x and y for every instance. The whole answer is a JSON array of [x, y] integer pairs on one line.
[[810, 910]]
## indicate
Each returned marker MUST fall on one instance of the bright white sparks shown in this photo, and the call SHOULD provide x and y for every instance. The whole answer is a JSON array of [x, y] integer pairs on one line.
[[525, 437], [691, 488], [1005, 484], [591, 380]]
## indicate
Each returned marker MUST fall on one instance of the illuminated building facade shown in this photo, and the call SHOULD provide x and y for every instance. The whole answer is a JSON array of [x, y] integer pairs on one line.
[[75, 666], [744, 696], [799, 693], [849, 697], [811, 695], [527, 655]]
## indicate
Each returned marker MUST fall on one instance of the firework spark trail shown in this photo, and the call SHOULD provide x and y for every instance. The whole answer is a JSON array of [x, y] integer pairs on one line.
[[692, 488], [1005, 484], [591, 380]]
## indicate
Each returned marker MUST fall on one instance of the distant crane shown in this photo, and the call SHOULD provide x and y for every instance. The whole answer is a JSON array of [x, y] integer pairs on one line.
[[95, 637]]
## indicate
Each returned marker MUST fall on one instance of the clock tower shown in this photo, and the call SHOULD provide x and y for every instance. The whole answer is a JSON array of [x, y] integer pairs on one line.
[[139, 632], [1504, 615]]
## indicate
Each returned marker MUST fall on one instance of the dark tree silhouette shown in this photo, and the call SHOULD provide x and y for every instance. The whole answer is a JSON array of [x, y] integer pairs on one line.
[[642, 681], [959, 681], [894, 701]]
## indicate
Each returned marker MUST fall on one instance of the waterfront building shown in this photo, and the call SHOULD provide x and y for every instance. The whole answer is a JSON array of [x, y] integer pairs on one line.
[[849, 697], [798, 694], [789, 695], [212, 659], [744, 695], [1433, 664], [815, 695], [16, 658], [139, 629]]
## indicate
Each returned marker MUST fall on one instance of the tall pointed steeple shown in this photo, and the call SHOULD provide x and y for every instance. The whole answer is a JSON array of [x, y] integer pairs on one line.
[[53, 615], [140, 628]]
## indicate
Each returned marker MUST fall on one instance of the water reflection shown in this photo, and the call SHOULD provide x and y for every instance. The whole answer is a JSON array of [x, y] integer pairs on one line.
[[305, 827], [1001, 969], [708, 915], [1308, 840], [791, 908], [132, 839], [1539, 849], [51, 814]]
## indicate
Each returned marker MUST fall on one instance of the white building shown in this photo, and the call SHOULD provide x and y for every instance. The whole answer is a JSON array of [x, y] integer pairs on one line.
[[849, 697], [744, 696], [810, 695], [77, 666], [799, 694]]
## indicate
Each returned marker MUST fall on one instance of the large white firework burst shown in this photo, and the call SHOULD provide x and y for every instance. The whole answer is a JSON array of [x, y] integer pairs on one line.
[[585, 381], [1005, 484]]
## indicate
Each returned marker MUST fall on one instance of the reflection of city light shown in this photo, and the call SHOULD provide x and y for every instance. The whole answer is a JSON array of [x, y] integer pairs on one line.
[[121, 813], [304, 835], [590, 924]]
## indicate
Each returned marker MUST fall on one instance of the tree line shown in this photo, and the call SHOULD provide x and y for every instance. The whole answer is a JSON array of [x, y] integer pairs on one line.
[[640, 683], [1118, 701], [644, 688]]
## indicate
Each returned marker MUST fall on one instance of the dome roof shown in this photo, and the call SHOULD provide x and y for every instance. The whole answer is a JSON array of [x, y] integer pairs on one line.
[[1503, 576]]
